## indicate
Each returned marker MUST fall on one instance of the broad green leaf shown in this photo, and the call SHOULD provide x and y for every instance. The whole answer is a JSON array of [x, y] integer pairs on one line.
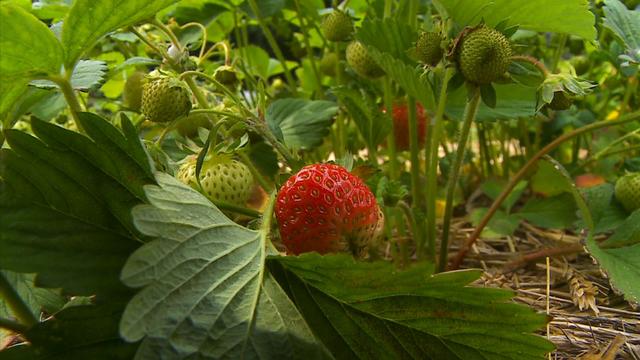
[[134, 61], [206, 291], [29, 50], [558, 212], [567, 16], [90, 20], [501, 223], [389, 36], [65, 203], [617, 256], [493, 188], [513, 101], [547, 180], [77, 332], [412, 79], [373, 125], [23, 285], [86, 74], [300, 123], [373, 311], [625, 24], [607, 214]]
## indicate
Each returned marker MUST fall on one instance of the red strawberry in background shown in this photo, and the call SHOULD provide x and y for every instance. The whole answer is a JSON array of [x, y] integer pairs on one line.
[[400, 116], [325, 208]]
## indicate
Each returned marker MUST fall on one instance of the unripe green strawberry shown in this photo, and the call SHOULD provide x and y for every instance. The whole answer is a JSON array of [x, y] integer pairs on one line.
[[222, 179], [560, 101], [188, 127], [165, 98], [132, 93], [325, 208], [361, 62], [337, 26], [483, 55], [628, 191], [226, 75], [328, 64], [428, 48]]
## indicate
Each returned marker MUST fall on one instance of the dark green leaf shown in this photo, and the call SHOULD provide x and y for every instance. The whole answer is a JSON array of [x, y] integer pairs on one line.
[[513, 101], [90, 20], [206, 292], [373, 311], [488, 94], [300, 123], [35, 298], [66, 200], [501, 223]]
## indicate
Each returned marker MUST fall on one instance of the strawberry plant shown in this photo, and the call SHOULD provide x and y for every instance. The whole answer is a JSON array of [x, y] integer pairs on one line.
[[350, 180]]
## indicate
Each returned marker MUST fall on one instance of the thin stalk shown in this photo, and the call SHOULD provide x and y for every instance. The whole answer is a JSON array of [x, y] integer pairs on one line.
[[307, 44], [237, 209], [391, 140], [172, 37], [432, 165], [417, 199], [74, 106], [515, 179], [255, 172], [274, 46], [340, 126], [484, 150], [15, 303], [469, 115]]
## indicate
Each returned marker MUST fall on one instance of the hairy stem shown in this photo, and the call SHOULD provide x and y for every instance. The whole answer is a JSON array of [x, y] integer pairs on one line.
[[74, 106], [469, 115]]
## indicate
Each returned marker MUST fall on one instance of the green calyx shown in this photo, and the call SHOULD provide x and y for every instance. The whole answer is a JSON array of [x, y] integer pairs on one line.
[[361, 62], [483, 55], [165, 98], [337, 26], [428, 48]]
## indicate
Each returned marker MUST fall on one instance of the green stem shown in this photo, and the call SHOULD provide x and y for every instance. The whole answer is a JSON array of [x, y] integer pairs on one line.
[[417, 199], [254, 171], [559, 51], [15, 303], [237, 209], [74, 106], [172, 37], [469, 115], [515, 179], [307, 44], [340, 128], [432, 166], [274, 46], [391, 140]]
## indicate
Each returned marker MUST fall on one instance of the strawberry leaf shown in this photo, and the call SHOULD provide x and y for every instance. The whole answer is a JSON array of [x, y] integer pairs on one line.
[[300, 123], [90, 20], [29, 50], [568, 16], [206, 291], [362, 310], [65, 203]]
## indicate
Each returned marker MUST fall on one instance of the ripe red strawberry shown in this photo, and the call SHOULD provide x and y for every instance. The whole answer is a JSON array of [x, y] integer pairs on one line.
[[325, 208], [400, 116]]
